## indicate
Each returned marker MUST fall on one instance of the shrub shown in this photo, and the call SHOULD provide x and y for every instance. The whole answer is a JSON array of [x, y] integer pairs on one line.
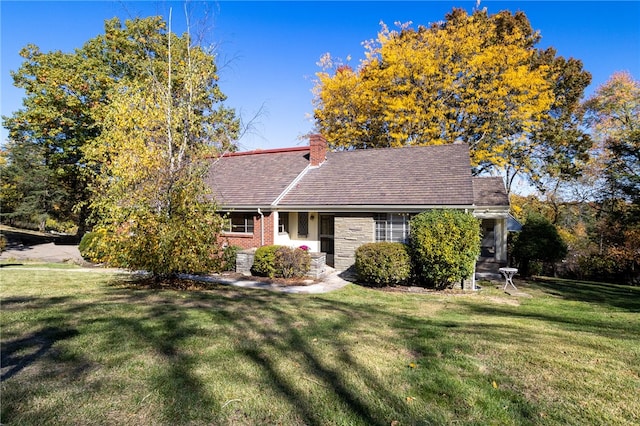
[[3, 243], [444, 246], [540, 241], [292, 262], [92, 247], [264, 261], [229, 255], [383, 264], [67, 227]]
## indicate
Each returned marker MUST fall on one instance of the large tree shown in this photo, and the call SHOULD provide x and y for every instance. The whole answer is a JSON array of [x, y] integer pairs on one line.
[[476, 79], [67, 96], [153, 206]]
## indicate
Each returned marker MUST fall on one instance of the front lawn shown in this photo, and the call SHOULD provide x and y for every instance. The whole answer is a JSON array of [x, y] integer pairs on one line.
[[90, 348]]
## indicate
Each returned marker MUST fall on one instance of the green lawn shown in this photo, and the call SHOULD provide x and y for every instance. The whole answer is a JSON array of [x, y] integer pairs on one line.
[[89, 348]]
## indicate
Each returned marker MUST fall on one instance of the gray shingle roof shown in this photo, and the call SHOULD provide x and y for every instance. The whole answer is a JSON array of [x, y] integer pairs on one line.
[[489, 192], [430, 175], [255, 179], [412, 176]]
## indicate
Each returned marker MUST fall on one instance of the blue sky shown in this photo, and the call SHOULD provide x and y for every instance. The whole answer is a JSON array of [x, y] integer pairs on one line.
[[268, 50]]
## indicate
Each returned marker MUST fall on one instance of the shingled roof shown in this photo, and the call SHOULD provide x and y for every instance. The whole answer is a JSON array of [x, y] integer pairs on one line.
[[489, 191], [256, 178], [419, 177]]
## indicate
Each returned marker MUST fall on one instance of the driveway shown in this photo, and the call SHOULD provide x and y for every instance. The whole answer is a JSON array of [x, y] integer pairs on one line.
[[48, 252]]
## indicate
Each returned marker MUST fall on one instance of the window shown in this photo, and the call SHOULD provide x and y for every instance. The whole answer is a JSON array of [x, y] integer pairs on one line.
[[303, 224], [239, 222], [283, 222], [392, 227]]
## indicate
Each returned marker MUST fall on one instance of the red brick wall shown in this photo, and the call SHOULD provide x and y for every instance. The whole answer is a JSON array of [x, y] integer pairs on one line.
[[247, 241]]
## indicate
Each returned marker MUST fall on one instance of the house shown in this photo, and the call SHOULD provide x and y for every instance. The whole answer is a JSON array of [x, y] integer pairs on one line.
[[333, 202]]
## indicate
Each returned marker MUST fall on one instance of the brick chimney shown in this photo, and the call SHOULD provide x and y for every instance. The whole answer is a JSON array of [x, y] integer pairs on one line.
[[318, 152]]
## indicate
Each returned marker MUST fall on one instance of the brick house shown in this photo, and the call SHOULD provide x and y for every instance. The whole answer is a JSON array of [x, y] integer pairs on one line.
[[333, 202]]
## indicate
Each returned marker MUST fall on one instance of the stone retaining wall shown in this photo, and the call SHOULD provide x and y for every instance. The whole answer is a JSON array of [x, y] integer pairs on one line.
[[244, 262]]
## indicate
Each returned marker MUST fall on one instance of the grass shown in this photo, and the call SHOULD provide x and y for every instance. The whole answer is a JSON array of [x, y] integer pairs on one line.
[[93, 348]]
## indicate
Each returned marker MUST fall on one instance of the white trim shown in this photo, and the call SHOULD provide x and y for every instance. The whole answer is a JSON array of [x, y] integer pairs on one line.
[[291, 185]]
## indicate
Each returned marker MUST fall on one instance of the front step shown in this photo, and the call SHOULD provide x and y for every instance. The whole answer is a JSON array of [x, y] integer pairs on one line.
[[489, 276], [489, 269]]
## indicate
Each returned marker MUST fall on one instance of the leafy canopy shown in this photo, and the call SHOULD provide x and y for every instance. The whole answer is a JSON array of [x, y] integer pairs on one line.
[[152, 203], [474, 78], [68, 97]]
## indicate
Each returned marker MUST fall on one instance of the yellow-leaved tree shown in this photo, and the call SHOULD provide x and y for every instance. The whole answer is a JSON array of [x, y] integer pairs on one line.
[[153, 207], [475, 79]]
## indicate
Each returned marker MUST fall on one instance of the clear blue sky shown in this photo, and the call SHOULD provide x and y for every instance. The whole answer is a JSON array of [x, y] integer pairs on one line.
[[268, 50]]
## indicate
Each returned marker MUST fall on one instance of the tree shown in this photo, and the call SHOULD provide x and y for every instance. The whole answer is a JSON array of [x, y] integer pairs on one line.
[[29, 192], [538, 240], [153, 206], [67, 96], [613, 113], [472, 78], [445, 245]]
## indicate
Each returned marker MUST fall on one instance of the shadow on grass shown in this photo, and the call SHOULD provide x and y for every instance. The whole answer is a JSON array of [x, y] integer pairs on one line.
[[265, 329], [20, 353], [618, 296]]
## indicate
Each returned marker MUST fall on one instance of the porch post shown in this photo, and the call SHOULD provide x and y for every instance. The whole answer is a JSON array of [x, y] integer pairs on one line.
[[500, 230]]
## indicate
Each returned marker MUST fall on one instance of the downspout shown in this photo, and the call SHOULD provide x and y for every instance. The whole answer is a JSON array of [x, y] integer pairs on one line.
[[261, 226]]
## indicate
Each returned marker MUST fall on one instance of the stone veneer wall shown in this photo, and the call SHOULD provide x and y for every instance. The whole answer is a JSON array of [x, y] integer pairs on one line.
[[351, 231], [318, 265], [244, 262]]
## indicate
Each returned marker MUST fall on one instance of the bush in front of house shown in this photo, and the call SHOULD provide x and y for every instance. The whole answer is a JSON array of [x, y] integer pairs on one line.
[[229, 256], [383, 264], [292, 262], [444, 246], [276, 261], [264, 261]]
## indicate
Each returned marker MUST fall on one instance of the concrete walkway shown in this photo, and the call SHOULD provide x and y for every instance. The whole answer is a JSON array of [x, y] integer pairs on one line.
[[328, 283]]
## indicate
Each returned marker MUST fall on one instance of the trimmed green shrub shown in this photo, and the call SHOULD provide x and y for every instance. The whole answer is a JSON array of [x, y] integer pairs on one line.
[[383, 264], [229, 255], [264, 261], [292, 262], [444, 246]]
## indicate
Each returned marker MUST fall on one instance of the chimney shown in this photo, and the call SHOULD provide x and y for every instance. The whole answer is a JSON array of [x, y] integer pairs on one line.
[[318, 152]]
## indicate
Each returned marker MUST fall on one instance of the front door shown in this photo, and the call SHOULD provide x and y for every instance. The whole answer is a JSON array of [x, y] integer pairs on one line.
[[327, 237]]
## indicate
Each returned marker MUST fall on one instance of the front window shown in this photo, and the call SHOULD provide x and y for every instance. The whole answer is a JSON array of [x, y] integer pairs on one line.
[[239, 222], [303, 224], [392, 227]]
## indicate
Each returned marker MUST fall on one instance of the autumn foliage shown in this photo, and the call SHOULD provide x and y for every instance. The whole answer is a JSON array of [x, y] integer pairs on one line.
[[474, 78]]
